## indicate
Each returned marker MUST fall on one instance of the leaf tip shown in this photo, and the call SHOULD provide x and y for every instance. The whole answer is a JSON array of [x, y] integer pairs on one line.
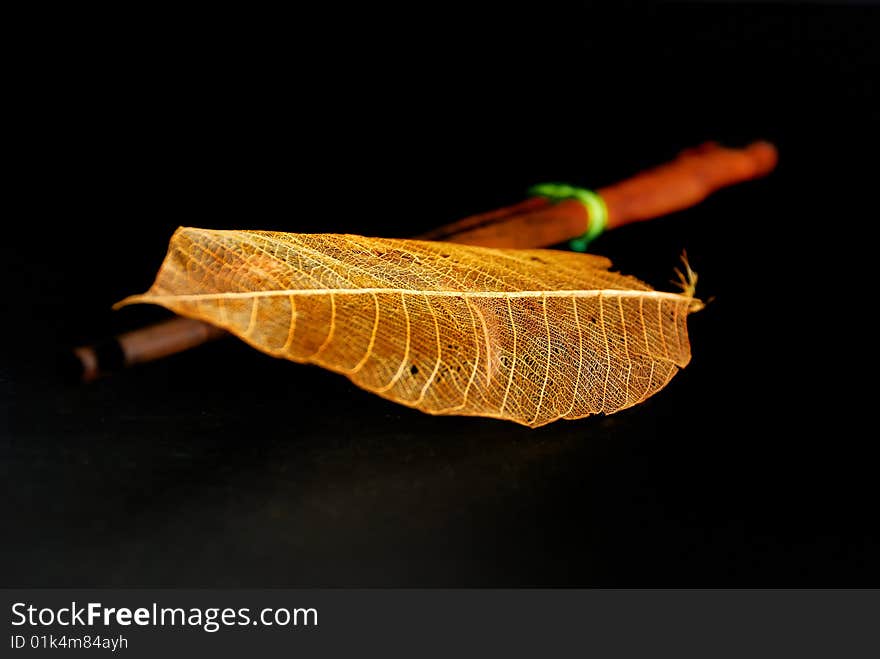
[[131, 299]]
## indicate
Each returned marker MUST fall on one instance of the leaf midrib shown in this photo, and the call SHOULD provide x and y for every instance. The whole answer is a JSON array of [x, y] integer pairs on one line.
[[608, 292]]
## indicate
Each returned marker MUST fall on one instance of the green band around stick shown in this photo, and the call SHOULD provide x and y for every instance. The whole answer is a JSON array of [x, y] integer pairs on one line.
[[596, 209]]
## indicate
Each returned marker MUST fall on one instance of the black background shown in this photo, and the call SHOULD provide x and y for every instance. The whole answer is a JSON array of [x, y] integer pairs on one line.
[[224, 467]]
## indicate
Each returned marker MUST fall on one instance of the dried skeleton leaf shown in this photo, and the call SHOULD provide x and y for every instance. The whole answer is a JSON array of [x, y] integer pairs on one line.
[[530, 336]]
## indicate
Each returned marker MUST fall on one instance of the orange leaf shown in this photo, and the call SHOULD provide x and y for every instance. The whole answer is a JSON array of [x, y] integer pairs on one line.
[[530, 336]]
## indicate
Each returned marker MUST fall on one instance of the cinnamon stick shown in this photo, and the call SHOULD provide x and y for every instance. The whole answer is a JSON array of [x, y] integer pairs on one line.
[[676, 185], [535, 222], [142, 345]]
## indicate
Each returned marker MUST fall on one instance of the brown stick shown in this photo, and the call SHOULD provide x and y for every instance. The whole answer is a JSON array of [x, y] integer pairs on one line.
[[682, 183], [536, 222], [143, 345]]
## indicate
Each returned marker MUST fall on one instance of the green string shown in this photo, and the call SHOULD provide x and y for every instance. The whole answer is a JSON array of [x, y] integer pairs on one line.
[[596, 209]]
